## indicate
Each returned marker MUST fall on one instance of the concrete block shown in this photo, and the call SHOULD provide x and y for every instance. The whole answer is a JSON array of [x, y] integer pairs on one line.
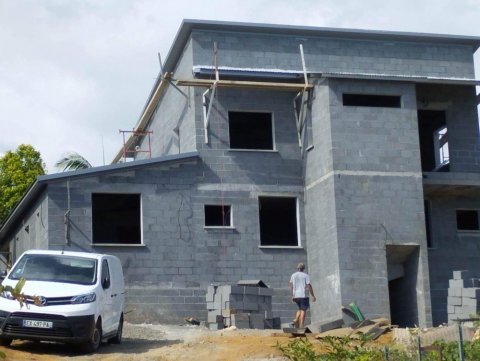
[[257, 321], [210, 294], [227, 312], [456, 283], [231, 289], [318, 327], [450, 309], [455, 291], [237, 305], [247, 290], [240, 317], [470, 311], [250, 306], [268, 314], [460, 275], [240, 320], [276, 323], [468, 301], [472, 292], [454, 301], [216, 326], [214, 318], [265, 292]]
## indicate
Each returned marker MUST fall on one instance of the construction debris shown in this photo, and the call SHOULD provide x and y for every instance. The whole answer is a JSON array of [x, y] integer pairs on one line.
[[248, 304], [369, 328]]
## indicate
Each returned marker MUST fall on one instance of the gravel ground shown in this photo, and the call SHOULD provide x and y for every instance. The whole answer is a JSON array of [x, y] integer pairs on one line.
[[147, 342]]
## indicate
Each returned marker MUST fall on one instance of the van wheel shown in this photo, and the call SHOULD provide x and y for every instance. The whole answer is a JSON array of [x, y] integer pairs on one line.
[[118, 337], [94, 343], [5, 341]]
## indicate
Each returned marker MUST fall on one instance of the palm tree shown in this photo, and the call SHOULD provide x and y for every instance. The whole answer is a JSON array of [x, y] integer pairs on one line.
[[72, 161]]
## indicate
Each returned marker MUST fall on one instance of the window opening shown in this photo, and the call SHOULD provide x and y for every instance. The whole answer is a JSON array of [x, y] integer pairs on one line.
[[116, 218], [370, 100], [218, 216], [433, 138], [249, 130], [467, 220], [440, 141], [278, 221]]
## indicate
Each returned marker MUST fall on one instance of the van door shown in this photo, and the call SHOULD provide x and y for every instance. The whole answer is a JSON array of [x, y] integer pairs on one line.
[[107, 307]]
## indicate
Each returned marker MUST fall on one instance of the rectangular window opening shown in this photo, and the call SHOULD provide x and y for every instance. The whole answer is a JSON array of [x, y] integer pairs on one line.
[[467, 220], [371, 100], [116, 218], [218, 216], [250, 130], [278, 221]]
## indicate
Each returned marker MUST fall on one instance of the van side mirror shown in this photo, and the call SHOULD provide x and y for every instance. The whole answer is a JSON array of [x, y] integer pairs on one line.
[[106, 282]]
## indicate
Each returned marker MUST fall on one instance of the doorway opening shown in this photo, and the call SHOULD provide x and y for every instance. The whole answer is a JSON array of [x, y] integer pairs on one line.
[[402, 268]]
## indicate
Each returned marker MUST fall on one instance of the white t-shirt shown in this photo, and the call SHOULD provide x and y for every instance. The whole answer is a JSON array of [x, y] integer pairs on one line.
[[299, 281]]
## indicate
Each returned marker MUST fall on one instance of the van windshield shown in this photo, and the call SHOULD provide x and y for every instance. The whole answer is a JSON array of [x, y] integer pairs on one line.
[[55, 268]]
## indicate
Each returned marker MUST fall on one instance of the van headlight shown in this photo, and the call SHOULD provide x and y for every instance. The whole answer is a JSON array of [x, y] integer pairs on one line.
[[91, 297]]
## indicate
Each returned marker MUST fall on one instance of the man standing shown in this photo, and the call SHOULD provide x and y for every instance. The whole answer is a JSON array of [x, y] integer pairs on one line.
[[301, 287]]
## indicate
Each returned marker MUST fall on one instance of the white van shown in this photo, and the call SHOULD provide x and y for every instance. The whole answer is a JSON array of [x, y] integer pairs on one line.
[[71, 297]]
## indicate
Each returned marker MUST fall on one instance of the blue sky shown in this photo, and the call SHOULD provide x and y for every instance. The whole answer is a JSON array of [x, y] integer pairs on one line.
[[72, 73]]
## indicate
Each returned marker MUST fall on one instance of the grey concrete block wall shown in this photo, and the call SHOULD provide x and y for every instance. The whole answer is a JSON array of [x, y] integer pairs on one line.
[[451, 249], [323, 54], [33, 232], [179, 257]]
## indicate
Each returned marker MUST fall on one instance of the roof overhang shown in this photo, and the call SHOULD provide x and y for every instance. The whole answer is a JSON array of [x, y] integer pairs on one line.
[[403, 78], [39, 185]]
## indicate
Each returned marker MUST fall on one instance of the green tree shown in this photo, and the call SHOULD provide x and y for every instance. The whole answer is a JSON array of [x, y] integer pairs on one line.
[[72, 161], [18, 169]]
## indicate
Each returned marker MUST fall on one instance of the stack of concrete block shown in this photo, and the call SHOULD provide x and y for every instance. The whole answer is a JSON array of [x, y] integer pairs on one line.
[[248, 304], [463, 296]]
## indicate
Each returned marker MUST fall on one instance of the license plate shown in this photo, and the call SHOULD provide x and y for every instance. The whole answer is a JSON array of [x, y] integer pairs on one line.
[[38, 324]]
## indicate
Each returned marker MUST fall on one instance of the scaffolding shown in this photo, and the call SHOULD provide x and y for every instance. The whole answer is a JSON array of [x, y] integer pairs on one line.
[[136, 134], [300, 101]]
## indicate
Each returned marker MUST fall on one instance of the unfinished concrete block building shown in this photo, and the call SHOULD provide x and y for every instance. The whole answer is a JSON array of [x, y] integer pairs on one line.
[[260, 146]]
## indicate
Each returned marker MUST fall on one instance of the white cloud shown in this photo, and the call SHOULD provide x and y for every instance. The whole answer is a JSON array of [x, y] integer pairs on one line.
[[75, 72]]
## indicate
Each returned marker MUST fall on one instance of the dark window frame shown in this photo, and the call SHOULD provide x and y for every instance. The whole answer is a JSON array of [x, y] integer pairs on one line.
[[211, 218], [116, 219], [279, 229], [243, 136], [372, 100], [469, 221]]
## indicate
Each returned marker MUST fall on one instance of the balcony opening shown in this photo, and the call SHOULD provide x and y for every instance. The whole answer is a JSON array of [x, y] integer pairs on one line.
[[433, 134]]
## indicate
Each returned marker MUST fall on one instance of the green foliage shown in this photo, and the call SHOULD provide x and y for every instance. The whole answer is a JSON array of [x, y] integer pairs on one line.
[[18, 169], [338, 348], [72, 161], [344, 349], [471, 350]]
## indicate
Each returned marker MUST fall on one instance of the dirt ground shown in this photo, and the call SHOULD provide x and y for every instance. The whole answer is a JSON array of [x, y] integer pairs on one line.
[[165, 343]]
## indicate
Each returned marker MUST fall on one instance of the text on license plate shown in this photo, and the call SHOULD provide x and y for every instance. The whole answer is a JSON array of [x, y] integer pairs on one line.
[[39, 324]]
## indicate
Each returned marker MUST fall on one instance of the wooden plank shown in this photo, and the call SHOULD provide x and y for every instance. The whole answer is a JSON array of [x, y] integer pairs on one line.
[[244, 84]]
